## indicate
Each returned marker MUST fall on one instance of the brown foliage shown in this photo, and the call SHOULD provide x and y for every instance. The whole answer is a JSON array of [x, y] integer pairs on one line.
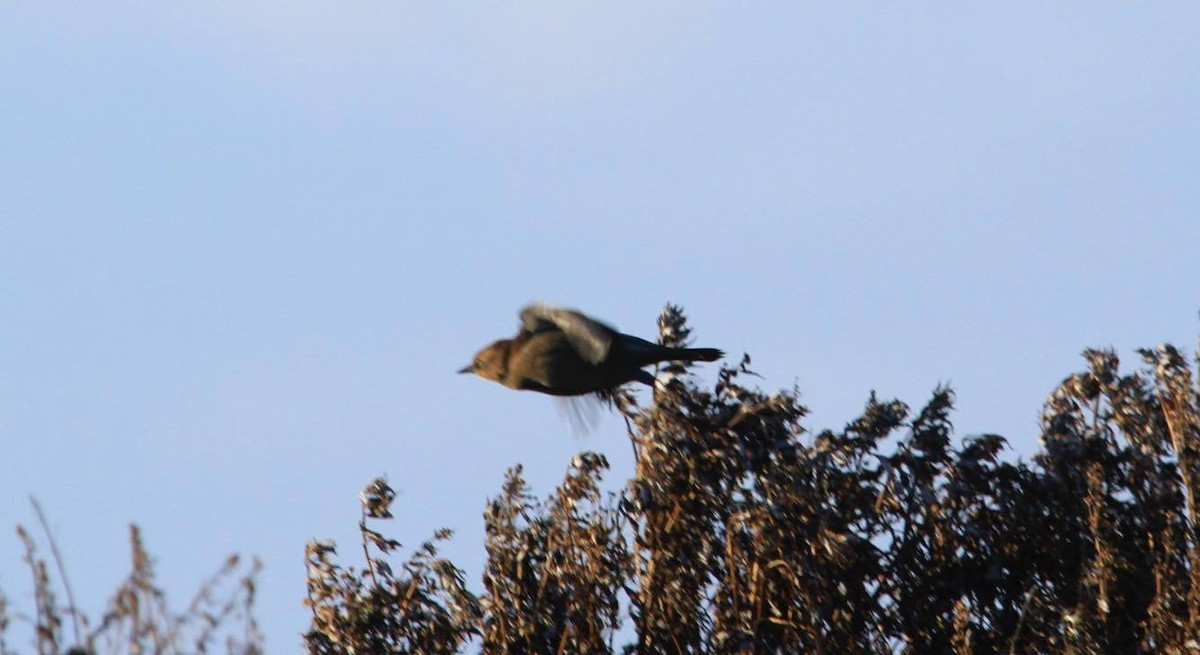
[[423, 608], [138, 620], [741, 533]]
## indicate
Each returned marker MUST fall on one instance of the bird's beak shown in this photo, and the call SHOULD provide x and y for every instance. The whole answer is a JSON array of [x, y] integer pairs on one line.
[[469, 368]]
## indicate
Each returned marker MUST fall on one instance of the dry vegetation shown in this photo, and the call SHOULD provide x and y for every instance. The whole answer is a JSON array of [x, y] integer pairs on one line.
[[740, 532], [138, 619]]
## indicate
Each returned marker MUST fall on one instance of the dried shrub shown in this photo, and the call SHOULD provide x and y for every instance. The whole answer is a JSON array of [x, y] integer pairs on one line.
[[138, 619], [555, 570], [424, 607], [740, 532]]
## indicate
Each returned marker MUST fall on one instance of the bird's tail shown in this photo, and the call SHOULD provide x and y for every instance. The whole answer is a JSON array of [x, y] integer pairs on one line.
[[641, 352], [697, 354]]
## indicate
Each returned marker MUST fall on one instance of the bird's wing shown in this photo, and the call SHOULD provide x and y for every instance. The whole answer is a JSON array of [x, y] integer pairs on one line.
[[582, 413], [589, 337]]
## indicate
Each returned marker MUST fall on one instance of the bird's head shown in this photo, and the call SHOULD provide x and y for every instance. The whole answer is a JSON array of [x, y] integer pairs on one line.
[[491, 363]]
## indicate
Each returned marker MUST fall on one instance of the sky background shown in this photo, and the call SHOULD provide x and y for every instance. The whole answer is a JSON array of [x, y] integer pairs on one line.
[[245, 246]]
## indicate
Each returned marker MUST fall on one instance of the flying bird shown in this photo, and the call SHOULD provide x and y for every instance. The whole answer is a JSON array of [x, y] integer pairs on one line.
[[564, 352]]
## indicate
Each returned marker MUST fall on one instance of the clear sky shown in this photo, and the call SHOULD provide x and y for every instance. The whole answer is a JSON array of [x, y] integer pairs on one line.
[[245, 246]]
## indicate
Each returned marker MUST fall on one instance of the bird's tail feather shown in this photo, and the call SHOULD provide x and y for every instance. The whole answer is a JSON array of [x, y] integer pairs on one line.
[[698, 354], [643, 352]]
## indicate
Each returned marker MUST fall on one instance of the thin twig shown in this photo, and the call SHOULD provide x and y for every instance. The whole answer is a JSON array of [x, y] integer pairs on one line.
[[58, 563], [362, 528], [1016, 635]]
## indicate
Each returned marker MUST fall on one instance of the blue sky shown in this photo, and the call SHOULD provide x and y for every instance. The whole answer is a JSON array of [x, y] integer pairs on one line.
[[244, 249]]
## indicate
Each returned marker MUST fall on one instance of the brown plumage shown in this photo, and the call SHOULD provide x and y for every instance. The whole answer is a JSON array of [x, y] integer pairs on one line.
[[563, 352]]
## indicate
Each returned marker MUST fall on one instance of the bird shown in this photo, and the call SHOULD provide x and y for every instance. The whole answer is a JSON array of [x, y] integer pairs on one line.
[[563, 352]]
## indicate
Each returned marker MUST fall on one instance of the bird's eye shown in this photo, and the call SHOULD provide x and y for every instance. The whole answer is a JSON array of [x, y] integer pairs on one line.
[[477, 363]]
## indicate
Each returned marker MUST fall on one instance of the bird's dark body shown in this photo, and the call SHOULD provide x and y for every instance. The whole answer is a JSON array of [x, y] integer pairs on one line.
[[565, 353]]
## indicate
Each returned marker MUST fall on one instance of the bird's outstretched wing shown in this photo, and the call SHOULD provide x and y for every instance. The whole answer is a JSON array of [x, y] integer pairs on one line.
[[589, 337], [582, 413]]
